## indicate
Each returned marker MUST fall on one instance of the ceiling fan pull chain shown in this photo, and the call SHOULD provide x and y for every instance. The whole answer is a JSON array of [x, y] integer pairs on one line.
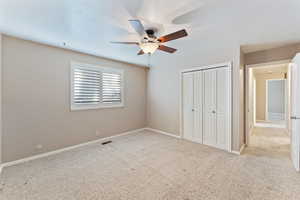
[[149, 57]]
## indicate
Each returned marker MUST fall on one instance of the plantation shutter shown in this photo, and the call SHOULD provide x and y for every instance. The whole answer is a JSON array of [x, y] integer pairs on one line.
[[86, 86], [96, 87], [111, 88]]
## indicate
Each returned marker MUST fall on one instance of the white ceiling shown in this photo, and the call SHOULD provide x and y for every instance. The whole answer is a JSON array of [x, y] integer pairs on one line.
[[89, 25]]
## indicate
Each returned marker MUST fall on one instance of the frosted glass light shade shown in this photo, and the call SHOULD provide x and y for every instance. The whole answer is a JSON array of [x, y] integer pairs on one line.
[[149, 47]]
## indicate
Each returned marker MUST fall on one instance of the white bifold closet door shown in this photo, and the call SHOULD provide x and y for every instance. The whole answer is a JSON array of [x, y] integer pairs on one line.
[[188, 102], [210, 108], [217, 107], [198, 107], [193, 103], [207, 107], [223, 108]]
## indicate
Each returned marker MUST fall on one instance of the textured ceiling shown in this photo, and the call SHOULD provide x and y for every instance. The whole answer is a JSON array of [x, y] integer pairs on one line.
[[89, 25]]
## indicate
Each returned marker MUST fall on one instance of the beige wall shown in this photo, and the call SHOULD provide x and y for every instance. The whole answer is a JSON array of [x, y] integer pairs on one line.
[[276, 54], [36, 100], [164, 81], [261, 80]]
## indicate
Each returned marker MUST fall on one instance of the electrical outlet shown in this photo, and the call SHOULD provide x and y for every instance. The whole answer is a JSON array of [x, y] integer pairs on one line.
[[38, 147], [97, 133]]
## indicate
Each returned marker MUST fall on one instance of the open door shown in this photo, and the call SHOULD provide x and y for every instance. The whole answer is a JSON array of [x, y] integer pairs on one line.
[[295, 111]]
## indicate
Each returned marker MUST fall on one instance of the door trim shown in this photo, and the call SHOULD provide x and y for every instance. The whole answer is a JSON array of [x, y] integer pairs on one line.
[[194, 69], [226, 64]]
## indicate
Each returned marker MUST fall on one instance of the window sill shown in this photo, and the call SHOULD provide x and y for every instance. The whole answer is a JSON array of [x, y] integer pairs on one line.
[[96, 107]]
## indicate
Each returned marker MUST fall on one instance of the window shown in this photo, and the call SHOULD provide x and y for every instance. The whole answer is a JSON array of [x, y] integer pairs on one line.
[[95, 87]]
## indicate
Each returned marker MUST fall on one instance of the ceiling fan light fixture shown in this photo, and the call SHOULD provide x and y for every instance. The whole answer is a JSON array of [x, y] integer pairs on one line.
[[149, 43], [149, 47]]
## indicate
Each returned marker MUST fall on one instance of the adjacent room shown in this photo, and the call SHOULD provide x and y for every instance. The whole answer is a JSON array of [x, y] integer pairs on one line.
[[148, 99]]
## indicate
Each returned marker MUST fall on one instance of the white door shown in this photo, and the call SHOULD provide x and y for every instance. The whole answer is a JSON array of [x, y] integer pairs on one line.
[[295, 111], [188, 105], [223, 107], [198, 105], [276, 97], [209, 108]]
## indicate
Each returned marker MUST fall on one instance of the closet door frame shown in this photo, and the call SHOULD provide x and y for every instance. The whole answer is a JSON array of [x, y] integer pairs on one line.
[[221, 65]]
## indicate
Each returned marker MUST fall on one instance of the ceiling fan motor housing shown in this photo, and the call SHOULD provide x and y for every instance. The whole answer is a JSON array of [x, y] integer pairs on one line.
[[150, 33]]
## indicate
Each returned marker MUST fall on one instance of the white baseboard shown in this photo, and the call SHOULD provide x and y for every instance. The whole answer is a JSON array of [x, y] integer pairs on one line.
[[241, 150], [23, 160], [162, 132], [236, 152]]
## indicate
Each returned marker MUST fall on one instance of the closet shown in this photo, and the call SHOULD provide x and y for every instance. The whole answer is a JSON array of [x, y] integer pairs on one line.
[[206, 106]]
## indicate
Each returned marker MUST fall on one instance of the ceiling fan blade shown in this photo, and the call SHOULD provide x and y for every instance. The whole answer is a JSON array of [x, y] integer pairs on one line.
[[173, 36], [141, 52], [125, 43], [166, 49], [138, 26]]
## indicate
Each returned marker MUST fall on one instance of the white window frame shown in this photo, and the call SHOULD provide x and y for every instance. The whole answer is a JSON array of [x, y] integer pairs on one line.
[[74, 107]]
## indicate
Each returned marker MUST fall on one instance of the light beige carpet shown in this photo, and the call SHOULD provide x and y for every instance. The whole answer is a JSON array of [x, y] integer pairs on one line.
[[270, 141], [150, 166]]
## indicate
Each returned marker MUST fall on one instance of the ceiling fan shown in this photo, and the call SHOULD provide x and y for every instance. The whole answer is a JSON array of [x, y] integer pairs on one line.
[[149, 42]]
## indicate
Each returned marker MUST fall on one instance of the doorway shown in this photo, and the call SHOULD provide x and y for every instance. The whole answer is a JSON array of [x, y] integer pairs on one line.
[[268, 108]]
